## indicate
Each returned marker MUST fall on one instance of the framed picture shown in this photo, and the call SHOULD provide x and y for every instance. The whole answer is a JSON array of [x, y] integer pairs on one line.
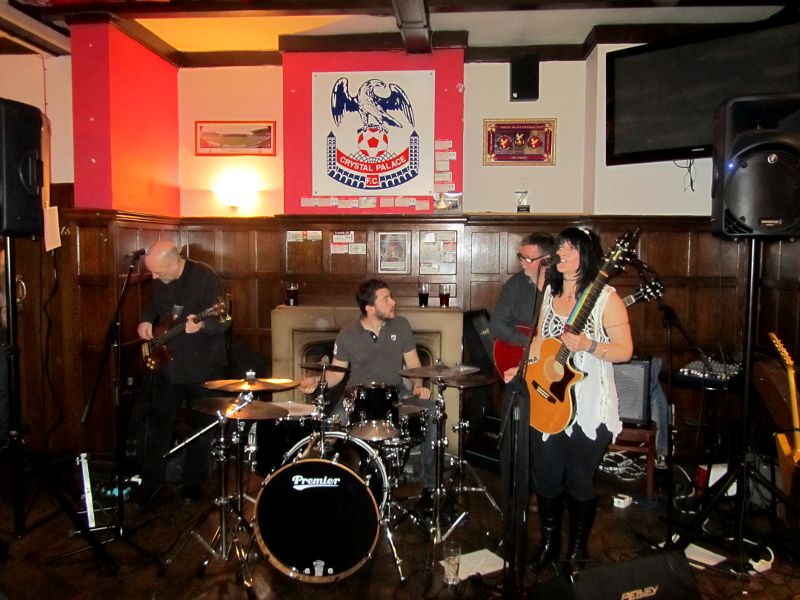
[[392, 251], [234, 138], [519, 142]]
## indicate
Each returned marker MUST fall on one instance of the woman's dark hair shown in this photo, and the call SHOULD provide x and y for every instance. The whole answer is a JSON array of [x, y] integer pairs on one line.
[[365, 296], [587, 243]]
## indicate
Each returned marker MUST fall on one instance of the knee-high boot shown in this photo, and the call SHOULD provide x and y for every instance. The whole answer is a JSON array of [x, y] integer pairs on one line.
[[581, 519], [551, 511]]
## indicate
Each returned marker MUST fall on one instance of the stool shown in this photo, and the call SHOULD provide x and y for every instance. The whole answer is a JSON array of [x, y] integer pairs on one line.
[[641, 440]]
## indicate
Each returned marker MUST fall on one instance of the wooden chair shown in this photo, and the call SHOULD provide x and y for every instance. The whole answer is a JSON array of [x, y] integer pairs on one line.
[[641, 440]]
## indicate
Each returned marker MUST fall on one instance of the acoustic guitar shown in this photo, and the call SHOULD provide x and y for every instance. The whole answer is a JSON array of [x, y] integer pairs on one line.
[[507, 355], [154, 351], [551, 380], [788, 454]]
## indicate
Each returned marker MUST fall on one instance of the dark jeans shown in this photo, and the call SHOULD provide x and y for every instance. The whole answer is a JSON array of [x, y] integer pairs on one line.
[[568, 463], [165, 400]]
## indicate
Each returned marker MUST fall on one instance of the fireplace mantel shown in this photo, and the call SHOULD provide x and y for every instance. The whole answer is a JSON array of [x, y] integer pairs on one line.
[[294, 328]]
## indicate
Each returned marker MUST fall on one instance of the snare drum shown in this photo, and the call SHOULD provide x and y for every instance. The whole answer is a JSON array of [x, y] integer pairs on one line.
[[372, 411], [317, 518]]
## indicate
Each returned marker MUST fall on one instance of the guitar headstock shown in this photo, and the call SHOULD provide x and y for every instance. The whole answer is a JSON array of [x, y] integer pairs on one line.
[[222, 307], [652, 291], [785, 356], [623, 251]]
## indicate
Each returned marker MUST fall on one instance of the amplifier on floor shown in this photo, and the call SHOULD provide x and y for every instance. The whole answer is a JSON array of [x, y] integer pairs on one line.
[[662, 576], [633, 389]]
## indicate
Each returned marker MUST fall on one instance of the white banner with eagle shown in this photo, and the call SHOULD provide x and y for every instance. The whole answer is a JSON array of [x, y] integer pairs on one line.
[[373, 133]]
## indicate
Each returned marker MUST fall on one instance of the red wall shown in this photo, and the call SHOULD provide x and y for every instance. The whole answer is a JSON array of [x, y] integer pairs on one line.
[[125, 111], [297, 72]]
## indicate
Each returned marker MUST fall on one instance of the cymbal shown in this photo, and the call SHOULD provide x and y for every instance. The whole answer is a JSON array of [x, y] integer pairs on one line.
[[469, 381], [251, 385], [255, 410], [318, 366], [295, 409], [439, 371]]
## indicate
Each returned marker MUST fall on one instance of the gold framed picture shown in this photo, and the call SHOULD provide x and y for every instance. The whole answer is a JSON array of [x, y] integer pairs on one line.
[[519, 142]]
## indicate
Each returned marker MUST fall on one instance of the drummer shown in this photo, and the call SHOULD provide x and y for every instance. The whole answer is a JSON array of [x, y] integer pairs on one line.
[[376, 348]]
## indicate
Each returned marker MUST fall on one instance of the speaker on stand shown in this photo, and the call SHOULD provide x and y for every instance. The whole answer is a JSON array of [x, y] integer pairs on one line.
[[755, 185], [756, 194], [525, 77]]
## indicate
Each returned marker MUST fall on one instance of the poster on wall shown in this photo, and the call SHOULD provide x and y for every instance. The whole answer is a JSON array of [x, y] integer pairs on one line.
[[373, 133]]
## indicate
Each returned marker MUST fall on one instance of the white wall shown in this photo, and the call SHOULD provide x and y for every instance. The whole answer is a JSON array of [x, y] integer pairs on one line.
[[580, 182], [229, 94], [45, 83], [551, 189]]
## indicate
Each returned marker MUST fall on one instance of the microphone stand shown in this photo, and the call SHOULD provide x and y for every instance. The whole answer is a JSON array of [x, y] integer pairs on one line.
[[669, 320], [515, 479], [112, 347]]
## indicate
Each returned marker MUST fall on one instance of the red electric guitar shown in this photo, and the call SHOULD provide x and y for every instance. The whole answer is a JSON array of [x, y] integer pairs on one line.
[[552, 379], [507, 355]]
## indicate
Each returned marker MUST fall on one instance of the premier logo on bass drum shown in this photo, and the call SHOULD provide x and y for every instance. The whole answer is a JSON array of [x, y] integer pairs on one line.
[[301, 483]]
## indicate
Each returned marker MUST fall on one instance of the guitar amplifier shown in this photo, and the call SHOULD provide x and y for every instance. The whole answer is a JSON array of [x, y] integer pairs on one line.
[[633, 388]]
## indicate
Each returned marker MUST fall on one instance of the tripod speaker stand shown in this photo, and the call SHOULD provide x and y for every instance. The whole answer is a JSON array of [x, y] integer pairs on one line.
[[18, 451], [739, 472]]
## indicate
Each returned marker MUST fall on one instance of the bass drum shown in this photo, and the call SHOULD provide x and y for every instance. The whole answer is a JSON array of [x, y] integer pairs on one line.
[[317, 518]]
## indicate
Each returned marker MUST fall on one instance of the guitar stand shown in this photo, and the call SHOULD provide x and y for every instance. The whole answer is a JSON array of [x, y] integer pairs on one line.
[[225, 541]]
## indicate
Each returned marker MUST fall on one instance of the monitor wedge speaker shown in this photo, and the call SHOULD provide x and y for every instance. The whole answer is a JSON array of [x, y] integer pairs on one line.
[[525, 77]]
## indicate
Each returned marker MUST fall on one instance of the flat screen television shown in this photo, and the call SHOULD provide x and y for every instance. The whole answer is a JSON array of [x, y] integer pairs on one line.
[[661, 98]]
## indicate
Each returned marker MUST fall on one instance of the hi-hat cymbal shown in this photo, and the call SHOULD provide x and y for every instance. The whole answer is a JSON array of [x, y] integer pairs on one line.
[[469, 381], [251, 385], [439, 371], [318, 366], [255, 410]]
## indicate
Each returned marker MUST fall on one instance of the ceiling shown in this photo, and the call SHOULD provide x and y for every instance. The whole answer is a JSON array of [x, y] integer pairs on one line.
[[222, 32]]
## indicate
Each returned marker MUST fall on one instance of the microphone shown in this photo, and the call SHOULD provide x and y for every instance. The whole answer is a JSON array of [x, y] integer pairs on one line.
[[136, 255], [551, 258]]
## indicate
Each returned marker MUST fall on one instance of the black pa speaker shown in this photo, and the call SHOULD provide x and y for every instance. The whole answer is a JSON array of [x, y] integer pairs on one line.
[[755, 184], [24, 168], [633, 389], [525, 77], [661, 576]]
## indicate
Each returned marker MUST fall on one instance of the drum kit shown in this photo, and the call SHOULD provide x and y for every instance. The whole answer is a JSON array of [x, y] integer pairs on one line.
[[337, 470]]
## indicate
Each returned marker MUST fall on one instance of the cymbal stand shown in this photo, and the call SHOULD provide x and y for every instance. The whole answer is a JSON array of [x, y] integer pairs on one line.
[[439, 418], [221, 543], [460, 466]]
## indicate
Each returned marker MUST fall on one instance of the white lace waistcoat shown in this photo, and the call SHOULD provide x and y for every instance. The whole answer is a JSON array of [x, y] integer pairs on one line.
[[596, 394]]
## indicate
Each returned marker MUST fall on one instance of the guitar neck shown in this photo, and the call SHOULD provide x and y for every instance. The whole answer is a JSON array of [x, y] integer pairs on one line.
[[178, 329]]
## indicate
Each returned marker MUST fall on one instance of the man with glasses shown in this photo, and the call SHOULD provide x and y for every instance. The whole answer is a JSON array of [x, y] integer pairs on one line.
[[520, 293]]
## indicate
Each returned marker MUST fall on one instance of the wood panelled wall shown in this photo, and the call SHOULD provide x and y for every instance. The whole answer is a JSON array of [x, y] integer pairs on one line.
[[73, 292]]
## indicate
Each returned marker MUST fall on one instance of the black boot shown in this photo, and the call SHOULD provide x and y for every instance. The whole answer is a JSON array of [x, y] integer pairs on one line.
[[581, 519], [551, 511]]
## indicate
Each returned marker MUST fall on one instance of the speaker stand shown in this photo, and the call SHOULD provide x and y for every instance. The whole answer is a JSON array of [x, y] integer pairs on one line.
[[18, 451]]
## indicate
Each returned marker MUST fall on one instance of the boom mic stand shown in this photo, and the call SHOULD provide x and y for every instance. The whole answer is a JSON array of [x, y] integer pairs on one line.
[[113, 347], [17, 448]]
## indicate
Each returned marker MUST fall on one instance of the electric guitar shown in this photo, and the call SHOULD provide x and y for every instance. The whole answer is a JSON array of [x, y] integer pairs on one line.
[[507, 355], [154, 351], [551, 380], [788, 457]]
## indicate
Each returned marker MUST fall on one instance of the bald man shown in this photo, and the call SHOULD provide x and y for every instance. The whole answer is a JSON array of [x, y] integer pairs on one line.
[[182, 289]]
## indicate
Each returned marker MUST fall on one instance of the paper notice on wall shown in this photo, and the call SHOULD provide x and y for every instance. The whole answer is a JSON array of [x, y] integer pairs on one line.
[[386, 201], [339, 248], [441, 165], [404, 201], [443, 177], [358, 248], [367, 202], [348, 203], [442, 155], [308, 201], [303, 236], [342, 237], [52, 239], [442, 144], [423, 204], [444, 187]]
